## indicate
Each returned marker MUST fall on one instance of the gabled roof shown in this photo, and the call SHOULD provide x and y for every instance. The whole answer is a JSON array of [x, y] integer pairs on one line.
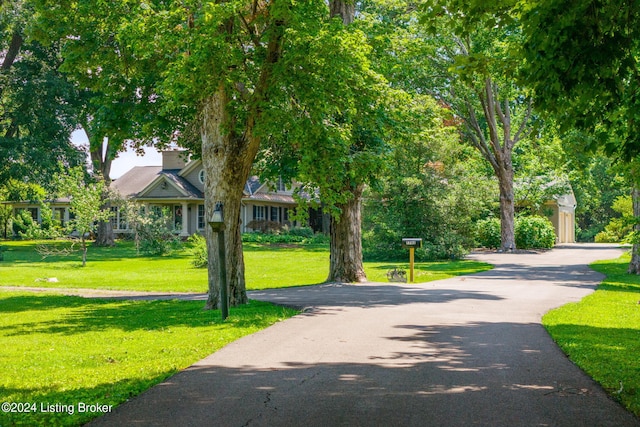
[[145, 182], [252, 186], [141, 179]]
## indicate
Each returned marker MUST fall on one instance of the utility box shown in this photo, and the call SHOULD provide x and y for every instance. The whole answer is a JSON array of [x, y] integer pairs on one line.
[[411, 243]]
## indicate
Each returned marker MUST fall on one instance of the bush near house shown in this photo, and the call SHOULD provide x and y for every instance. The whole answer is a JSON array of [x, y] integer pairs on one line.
[[534, 232], [531, 232], [488, 233]]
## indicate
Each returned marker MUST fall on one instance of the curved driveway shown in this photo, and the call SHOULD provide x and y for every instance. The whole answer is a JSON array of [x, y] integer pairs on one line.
[[457, 352]]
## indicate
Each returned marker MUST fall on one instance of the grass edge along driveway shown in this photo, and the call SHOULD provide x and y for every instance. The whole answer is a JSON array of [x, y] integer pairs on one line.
[[601, 333]]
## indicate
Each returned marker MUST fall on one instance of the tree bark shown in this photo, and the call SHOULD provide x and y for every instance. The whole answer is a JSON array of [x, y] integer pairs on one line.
[[507, 208], [634, 264], [498, 150], [345, 9], [14, 49], [346, 242], [227, 160], [346, 230], [101, 159]]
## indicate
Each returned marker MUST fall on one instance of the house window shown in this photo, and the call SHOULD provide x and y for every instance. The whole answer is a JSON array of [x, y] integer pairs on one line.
[[58, 215], [259, 213], [201, 217], [201, 176], [34, 213], [122, 220], [114, 217], [274, 214], [281, 186]]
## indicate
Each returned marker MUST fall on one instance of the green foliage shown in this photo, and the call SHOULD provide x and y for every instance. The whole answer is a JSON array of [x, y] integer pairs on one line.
[[534, 232], [22, 222], [85, 199], [25, 227], [157, 235], [531, 232], [600, 333], [596, 183], [303, 235], [568, 84], [430, 189], [38, 105], [488, 233], [198, 248], [618, 228]]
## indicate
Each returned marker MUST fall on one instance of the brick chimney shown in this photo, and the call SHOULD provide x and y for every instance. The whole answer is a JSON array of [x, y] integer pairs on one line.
[[174, 159]]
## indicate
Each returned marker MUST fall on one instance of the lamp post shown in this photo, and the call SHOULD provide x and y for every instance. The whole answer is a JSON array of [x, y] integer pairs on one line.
[[217, 225]]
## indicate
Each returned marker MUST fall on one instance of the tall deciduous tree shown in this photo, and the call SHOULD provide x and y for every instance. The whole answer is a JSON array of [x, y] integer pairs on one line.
[[226, 66], [337, 112], [37, 103], [479, 60], [117, 86], [582, 60]]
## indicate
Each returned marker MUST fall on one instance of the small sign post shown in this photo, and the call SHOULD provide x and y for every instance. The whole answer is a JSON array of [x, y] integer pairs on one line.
[[411, 244]]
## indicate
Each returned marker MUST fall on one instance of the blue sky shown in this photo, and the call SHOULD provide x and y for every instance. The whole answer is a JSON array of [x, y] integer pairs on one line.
[[126, 160]]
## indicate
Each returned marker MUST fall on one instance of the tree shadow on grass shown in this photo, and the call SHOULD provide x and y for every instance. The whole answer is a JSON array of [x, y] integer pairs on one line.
[[81, 315], [71, 407]]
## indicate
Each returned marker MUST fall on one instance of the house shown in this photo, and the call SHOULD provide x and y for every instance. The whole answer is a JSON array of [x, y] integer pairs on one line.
[[178, 186], [559, 205], [563, 216]]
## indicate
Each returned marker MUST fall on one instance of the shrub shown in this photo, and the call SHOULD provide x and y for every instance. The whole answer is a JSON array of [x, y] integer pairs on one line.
[[198, 246], [530, 232], [488, 233], [306, 232], [534, 232], [156, 234], [21, 223]]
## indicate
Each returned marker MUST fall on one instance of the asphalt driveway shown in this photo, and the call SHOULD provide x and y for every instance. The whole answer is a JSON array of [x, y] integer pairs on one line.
[[458, 352]]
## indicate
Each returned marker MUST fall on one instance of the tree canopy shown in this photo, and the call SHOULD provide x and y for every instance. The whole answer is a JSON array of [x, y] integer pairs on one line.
[[38, 105]]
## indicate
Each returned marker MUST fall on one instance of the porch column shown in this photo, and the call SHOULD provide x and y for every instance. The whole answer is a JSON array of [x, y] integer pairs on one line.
[[185, 220]]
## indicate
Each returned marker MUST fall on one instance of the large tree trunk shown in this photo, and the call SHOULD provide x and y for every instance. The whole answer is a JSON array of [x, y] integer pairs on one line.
[[507, 208], [346, 242], [346, 230], [227, 160], [345, 9], [634, 265], [102, 160]]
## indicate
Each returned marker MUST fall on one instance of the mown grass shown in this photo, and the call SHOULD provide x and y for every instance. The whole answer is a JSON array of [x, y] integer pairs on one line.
[[69, 350], [601, 333], [120, 268]]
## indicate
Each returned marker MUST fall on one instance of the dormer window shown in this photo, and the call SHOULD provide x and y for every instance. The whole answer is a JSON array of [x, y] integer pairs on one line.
[[201, 176]]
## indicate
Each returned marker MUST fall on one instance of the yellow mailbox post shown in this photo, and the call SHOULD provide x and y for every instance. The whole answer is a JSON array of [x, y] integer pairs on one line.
[[411, 244]]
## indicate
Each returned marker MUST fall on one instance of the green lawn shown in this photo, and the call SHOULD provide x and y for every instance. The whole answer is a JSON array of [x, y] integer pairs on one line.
[[70, 350], [122, 269], [601, 333]]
